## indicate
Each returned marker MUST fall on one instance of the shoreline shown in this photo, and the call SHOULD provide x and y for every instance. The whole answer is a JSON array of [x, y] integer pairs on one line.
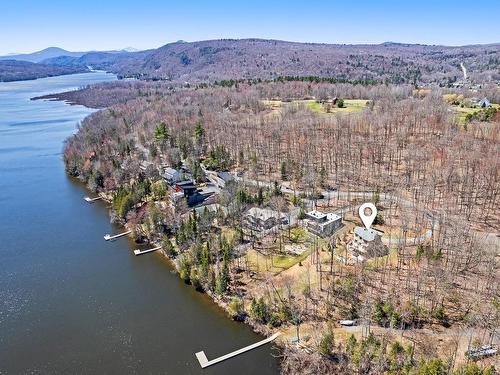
[[47, 76], [256, 327]]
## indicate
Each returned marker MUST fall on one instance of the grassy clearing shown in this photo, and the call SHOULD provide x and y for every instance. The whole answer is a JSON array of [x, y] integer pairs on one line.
[[350, 105], [462, 112], [276, 263]]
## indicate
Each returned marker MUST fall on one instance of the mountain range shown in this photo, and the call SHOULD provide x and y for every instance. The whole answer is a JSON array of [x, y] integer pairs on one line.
[[268, 59], [54, 52]]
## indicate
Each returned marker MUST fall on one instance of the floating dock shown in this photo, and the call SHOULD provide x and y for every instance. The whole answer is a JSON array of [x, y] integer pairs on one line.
[[139, 252], [109, 237], [90, 200], [204, 362]]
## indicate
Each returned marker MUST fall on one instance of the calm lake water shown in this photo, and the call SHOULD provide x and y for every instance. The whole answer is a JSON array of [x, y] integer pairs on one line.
[[71, 303]]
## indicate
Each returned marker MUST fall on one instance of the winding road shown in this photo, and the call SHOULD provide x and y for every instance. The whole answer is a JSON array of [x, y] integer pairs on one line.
[[349, 195]]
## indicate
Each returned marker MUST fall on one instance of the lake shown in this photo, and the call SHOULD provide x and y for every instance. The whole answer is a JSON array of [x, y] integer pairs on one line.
[[71, 303]]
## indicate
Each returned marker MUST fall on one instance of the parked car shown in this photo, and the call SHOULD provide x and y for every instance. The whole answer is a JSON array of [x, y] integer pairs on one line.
[[348, 323]]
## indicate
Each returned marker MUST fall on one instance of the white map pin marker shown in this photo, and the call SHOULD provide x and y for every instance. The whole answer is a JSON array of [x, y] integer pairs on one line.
[[367, 219]]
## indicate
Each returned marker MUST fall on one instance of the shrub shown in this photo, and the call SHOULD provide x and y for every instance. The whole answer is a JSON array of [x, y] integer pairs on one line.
[[168, 247], [259, 310], [326, 343], [235, 308]]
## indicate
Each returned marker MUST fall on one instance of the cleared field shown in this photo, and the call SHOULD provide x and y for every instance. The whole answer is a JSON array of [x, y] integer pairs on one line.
[[350, 105], [463, 111], [277, 263], [260, 262]]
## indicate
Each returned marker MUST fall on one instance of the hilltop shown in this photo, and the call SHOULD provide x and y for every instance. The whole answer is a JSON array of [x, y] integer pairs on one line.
[[44, 54], [13, 70], [266, 59]]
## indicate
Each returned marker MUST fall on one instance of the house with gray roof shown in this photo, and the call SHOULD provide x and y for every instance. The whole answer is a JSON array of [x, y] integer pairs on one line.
[[219, 179], [260, 219], [483, 103], [171, 175], [367, 243]]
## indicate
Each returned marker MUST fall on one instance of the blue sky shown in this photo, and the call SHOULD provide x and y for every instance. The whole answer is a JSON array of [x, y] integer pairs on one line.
[[26, 26]]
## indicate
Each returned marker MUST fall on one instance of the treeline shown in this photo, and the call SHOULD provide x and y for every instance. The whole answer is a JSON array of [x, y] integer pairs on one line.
[[409, 146], [371, 355], [14, 70], [315, 79]]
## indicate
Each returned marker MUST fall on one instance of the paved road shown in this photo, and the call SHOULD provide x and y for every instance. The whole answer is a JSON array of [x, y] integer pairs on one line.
[[349, 195]]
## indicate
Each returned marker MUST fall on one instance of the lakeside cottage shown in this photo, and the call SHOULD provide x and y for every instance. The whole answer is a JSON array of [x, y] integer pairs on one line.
[[171, 175], [220, 179], [322, 224], [190, 192], [367, 243]]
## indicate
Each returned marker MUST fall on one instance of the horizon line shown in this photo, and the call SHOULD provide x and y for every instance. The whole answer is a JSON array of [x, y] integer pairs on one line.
[[256, 39]]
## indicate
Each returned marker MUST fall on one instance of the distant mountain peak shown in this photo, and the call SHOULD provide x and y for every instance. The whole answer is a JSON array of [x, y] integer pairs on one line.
[[52, 49], [38, 56], [130, 49]]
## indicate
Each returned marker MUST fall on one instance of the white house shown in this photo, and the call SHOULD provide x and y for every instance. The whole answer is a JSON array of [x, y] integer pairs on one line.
[[322, 224]]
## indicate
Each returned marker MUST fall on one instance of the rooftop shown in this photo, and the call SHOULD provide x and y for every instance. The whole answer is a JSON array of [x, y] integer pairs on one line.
[[169, 170], [366, 234], [322, 216], [316, 214], [226, 176], [264, 213]]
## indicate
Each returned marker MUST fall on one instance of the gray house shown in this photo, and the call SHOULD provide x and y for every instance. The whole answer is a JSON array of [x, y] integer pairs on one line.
[[367, 244], [260, 219], [322, 224], [172, 175], [483, 103], [220, 179]]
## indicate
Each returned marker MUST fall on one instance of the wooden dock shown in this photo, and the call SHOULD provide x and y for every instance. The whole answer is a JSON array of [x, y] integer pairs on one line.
[[204, 362], [109, 237], [139, 252], [90, 200]]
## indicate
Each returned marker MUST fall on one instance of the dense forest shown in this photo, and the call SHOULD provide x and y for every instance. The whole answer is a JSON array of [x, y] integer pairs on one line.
[[13, 70], [425, 170], [267, 59]]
